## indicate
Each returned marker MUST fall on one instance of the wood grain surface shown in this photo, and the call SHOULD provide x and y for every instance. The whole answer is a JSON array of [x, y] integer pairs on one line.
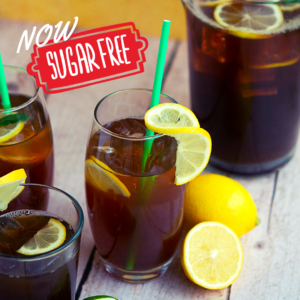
[[271, 267]]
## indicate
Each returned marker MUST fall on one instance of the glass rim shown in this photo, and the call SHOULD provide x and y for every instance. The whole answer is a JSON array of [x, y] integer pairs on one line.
[[32, 98], [60, 248], [121, 136]]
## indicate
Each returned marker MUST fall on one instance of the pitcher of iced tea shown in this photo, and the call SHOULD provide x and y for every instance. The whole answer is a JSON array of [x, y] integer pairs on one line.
[[244, 62]]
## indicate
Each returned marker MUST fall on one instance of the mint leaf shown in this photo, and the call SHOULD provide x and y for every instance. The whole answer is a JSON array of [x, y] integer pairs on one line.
[[13, 118]]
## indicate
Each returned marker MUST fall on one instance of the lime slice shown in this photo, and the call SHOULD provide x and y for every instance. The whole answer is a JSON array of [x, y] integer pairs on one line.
[[10, 187], [8, 132], [100, 175], [248, 21], [169, 118], [289, 6], [100, 298], [47, 239], [193, 153]]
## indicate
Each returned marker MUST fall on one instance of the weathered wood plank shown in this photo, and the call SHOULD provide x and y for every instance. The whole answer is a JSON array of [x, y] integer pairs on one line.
[[272, 263]]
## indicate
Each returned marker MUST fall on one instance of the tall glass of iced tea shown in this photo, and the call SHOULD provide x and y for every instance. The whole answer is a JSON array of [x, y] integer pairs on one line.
[[244, 61], [135, 209], [25, 134], [29, 269]]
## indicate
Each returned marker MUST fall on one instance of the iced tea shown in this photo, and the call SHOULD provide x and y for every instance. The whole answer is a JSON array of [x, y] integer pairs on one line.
[[245, 91], [135, 209], [40, 275], [16, 229], [31, 149]]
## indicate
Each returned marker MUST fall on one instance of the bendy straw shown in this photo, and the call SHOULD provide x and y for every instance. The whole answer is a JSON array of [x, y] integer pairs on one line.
[[3, 87]]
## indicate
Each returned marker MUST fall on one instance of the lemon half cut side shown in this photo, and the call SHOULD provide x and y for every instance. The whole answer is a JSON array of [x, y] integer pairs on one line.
[[212, 255]]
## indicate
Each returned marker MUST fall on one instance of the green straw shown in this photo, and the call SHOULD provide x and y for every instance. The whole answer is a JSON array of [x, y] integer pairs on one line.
[[3, 87], [159, 72]]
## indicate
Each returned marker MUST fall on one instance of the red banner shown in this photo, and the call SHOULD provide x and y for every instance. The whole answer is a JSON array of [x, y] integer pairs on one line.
[[89, 57]]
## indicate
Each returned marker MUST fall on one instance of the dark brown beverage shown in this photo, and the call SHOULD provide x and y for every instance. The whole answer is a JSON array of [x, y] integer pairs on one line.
[[31, 149], [52, 278], [137, 225], [245, 89]]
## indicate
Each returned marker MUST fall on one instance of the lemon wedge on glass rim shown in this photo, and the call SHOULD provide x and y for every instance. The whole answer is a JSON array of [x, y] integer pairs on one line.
[[212, 255], [248, 20], [46, 239], [101, 176], [194, 143], [10, 187]]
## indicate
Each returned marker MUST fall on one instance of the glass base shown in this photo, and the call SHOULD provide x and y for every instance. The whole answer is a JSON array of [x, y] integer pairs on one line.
[[136, 276], [251, 169]]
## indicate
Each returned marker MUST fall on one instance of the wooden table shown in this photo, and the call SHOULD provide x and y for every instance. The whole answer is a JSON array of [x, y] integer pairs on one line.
[[271, 261]]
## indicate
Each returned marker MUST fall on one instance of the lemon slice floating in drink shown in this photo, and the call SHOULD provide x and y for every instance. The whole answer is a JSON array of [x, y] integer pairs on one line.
[[249, 21], [212, 255], [10, 187], [47, 239], [194, 143], [101, 176], [11, 131]]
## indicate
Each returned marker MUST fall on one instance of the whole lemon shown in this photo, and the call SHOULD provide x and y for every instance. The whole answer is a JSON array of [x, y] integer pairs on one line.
[[213, 197]]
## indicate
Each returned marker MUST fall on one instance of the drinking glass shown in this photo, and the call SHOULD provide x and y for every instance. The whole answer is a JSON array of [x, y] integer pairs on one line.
[[134, 207], [49, 276], [244, 80]]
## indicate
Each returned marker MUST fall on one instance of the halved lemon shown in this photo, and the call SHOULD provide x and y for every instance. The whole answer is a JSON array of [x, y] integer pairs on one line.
[[170, 118], [247, 20], [47, 239], [212, 255], [10, 187], [289, 6], [211, 2], [101, 176], [8, 132]]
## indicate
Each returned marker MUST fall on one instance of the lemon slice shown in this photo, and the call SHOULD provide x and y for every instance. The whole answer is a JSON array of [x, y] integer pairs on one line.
[[248, 21], [169, 118], [193, 153], [211, 2], [10, 187], [212, 255], [47, 239], [289, 6], [194, 143], [11, 131], [96, 173]]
